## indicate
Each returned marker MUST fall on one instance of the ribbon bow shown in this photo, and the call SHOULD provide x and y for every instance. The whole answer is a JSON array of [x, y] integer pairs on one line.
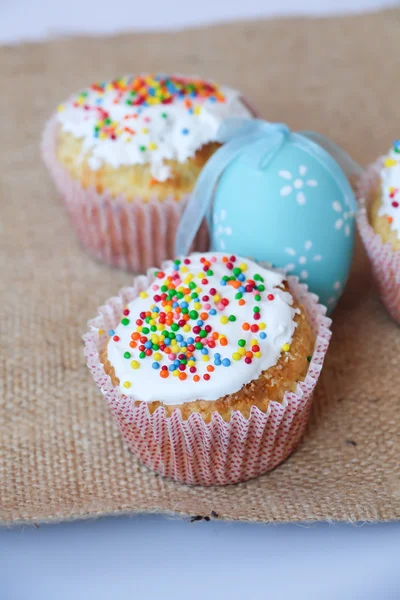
[[259, 141]]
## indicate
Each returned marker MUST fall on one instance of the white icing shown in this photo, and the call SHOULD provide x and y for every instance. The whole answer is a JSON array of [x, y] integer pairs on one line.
[[278, 314], [151, 129], [390, 189]]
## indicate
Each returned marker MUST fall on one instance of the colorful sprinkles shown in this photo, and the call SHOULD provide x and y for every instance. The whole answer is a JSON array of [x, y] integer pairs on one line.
[[138, 93], [175, 336]]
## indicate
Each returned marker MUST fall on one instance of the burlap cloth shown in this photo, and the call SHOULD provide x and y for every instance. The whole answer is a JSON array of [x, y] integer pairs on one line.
[[61, 456]]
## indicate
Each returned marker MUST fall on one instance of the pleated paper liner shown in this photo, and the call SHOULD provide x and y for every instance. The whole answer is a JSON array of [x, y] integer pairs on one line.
[[130, 235], [216, 453], [385, 261]]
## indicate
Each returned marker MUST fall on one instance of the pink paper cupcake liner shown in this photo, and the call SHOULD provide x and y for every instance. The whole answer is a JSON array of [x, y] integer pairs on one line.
[[385, 261], [128, 235], [132, 235], [216, 453]]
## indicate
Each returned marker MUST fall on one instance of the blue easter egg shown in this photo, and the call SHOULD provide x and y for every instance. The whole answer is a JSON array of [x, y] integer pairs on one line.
[[292, 213], [279, 197]]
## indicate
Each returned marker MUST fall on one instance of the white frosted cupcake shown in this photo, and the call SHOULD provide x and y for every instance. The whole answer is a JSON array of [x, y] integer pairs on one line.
[[126, 154], [379, 224], [210, 345], [384, 210]]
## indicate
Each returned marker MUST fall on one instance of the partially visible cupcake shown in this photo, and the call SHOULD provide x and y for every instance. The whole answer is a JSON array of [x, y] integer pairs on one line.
[[384, 211], [126, 153], [379, 224], [209, 366]]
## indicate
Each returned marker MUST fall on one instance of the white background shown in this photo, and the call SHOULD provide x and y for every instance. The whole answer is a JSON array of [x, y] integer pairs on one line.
[[32, 19], [152, 558], [149, 557]]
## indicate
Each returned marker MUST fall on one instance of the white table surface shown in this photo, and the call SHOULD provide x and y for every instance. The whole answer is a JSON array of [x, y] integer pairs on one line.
[[149, 557]]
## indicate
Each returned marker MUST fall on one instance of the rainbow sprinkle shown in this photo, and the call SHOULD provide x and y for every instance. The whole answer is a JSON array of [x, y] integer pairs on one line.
[[141, 92], [174, 333]]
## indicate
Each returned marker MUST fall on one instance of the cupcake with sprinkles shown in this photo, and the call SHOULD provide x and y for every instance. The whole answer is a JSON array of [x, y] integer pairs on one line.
[[379, 224], [208, 365], [126, 153]]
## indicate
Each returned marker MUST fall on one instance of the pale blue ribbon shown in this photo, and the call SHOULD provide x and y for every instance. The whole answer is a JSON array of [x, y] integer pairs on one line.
[[259, 141]]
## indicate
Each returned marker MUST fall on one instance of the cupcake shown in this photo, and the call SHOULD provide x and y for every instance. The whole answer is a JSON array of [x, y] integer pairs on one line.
[[379, 224], [126, 153], [384, 211], [208, 366]]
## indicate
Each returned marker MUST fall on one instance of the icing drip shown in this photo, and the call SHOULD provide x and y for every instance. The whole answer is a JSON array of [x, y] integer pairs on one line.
[[207, 325], [148, 119], [390, 187]]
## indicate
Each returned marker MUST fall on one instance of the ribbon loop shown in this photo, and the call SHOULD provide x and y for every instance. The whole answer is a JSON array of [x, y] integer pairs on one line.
[[237, 127]]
